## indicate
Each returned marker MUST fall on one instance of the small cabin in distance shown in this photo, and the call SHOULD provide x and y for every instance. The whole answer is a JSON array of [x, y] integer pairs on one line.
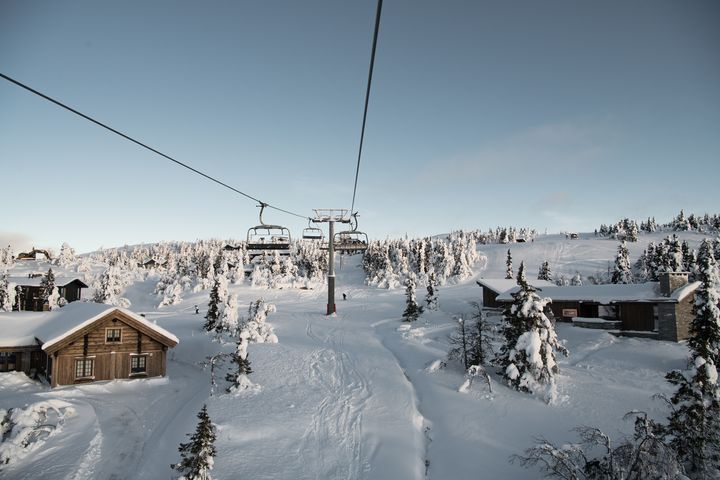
[[29, 291]]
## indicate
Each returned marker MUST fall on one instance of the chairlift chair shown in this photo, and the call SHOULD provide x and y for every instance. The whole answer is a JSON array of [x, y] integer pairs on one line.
[[314, 234], [265, 239], [351, 241]]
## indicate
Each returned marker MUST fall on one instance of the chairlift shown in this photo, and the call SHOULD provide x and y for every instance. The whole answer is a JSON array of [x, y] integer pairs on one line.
[[314, 234], [267, 239], [351, 241]]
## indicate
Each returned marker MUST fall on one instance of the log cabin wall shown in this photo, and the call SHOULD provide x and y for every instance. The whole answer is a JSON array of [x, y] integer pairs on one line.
[[110, 359]]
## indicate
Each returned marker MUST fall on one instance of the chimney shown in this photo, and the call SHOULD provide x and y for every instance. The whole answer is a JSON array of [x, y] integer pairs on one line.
[[671, 281]]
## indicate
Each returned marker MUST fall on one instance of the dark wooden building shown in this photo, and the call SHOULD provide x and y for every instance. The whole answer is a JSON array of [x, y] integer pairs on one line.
[[29, 291], [661, 310], [84, 342]]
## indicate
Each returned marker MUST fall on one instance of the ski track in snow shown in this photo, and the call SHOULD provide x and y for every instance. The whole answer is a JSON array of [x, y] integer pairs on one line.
[[338, 419]]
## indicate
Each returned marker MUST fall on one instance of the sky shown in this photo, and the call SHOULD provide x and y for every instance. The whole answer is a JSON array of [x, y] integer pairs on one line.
[[556, 115]]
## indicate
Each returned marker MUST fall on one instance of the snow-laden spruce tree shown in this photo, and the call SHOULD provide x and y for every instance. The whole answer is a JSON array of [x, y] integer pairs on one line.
[[256, 326], [239, 377], [508, 267], [218, 298], [47, 285], [544, 272], [688, 256], [66, 256], [527, 356], [198, 454], [622, 272], [7, 293], [228, 321], [412, 309], [694, 424], [108, 288], [576, 280], [431, 299], [7, 257]]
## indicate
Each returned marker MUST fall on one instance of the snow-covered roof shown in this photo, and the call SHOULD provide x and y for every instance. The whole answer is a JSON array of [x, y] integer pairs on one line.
[[22, 329], [35, 281], [612, 293], [503, 284]]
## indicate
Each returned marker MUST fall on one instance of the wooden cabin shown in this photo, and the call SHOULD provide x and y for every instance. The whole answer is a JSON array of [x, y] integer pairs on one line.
[[84, 342], [29, 291], [661, 310]]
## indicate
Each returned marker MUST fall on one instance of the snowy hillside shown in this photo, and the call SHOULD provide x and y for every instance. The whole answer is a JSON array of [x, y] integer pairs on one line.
[[358, 395]]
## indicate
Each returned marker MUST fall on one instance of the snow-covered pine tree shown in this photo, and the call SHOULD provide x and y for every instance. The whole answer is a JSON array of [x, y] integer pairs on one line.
[[694, 424], [527, 356], [544, 272], [47, 285], [508, 266], [461, 268], [460, 343], [688, 257], [622, 272], [431, 299], [218, 297], [673, 261], [66, 256], [198, 454], [412, 309], [576, 281], [239, 378], [258, 329], [7, 293], [228, 321]]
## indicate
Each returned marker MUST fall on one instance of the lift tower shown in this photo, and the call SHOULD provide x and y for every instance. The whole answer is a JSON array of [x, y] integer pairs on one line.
[[330, 216]]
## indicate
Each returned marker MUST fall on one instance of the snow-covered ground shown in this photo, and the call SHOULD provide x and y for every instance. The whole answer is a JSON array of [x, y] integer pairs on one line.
[[350, 396]]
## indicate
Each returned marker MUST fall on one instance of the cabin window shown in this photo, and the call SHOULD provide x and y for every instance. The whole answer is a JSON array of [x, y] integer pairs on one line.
[[138, 364], [84, 367], [113, 335], [8, 361]]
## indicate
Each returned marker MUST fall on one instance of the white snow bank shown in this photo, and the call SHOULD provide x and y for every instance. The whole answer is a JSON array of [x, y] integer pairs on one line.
[[24, 430]]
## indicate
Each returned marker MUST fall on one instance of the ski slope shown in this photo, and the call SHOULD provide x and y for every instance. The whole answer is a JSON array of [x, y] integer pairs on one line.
[[351, 396]]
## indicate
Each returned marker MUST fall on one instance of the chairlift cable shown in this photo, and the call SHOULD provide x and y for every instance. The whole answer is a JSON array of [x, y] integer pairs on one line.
[[367, 99], [127, 137]]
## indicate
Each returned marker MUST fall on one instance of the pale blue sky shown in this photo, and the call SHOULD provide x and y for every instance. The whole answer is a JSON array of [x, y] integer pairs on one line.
[[553, 114]]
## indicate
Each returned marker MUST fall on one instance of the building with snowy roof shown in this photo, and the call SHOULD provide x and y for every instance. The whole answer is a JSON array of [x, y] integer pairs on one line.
[[83, 342], [492, 287], [30, 290], [661, 310]]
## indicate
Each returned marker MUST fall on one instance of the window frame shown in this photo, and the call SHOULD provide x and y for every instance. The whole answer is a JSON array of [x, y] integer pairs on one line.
[[84, 371], [112, 341], [138, 356]]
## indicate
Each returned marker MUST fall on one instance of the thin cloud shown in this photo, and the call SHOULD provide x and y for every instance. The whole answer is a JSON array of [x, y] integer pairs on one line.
[[550, 147]]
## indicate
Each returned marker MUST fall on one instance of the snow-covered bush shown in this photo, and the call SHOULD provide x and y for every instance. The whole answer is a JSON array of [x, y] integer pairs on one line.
[[256, 326], [24, 430], [643, 456]]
